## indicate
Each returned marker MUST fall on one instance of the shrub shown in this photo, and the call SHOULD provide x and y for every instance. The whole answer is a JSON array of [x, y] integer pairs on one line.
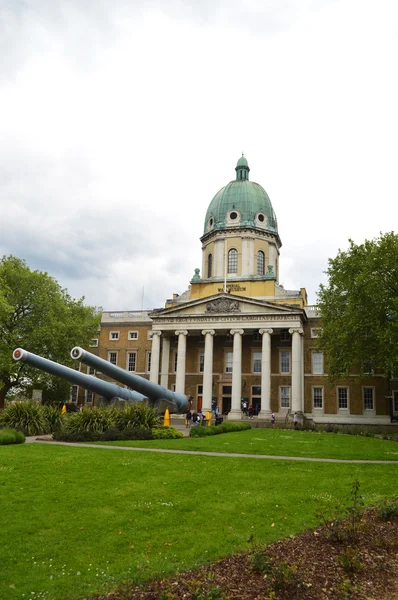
[[110, 435], [166, 433], [76, 436], [225, 427], [350, 560], [11, 436], [54, 417], [136, 415], [27, 417], [260, 562], [285, 576], [96, 420], [132, 433], [388, 509]]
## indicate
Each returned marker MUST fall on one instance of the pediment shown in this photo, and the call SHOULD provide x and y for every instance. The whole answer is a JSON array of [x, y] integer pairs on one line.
[[226, 304]]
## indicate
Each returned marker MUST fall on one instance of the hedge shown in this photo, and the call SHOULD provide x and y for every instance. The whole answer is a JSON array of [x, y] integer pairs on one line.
[[226, 427]]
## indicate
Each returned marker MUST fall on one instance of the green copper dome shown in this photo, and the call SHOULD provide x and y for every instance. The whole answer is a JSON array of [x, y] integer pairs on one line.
[[241, 203]]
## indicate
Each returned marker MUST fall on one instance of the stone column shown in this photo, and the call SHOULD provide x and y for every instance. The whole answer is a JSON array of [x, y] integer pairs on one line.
[[208, 370], [181, 356], [297, 371], [155, 356], [266, 372], [164, 374], [236, 413]]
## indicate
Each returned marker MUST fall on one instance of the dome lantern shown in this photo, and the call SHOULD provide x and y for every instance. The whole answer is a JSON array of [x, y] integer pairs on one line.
[[242, 169]]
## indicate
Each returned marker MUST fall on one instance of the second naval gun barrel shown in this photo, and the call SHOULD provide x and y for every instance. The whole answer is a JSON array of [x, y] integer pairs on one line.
[[177, 402], [88, 382]]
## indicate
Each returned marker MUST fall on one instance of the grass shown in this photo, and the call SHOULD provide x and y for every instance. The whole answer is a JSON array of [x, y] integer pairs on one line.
[[79, 520], [282, 442]]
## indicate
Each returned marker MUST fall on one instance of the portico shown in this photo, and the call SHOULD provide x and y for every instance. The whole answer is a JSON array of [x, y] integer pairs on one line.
[[231, 323]]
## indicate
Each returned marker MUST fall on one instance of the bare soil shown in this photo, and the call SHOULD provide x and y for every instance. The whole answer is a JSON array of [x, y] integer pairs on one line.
[[309, 566]]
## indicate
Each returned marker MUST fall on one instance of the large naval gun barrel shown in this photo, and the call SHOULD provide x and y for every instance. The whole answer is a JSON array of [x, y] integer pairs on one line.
[[104, 388], [156, 393]]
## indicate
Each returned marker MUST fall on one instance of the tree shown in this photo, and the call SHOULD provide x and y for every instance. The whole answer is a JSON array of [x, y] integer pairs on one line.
[[359, 308], [40, 316]]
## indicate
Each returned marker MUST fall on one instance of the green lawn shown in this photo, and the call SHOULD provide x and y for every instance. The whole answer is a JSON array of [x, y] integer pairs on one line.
[[282, 442], [76, 521]]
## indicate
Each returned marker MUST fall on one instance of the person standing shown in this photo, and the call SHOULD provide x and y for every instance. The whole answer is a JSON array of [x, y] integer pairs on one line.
[[273, 420], [200, 416], [295, 420], [188, 418]]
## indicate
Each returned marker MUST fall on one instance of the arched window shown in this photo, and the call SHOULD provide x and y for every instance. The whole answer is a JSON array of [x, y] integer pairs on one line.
[[210, 266], [260, 263], [233, 261]]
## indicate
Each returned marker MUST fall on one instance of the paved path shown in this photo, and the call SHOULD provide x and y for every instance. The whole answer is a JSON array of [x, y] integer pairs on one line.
[[218, 454]]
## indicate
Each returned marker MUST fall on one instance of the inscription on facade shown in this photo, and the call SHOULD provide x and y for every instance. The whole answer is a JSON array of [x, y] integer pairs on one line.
[[233, 287]]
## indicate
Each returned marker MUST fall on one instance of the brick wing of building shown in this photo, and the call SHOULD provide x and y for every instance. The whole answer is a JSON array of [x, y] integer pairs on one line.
[[236, 338]]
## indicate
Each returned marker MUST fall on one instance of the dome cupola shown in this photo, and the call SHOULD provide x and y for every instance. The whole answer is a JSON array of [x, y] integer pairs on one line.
[[241, 203]]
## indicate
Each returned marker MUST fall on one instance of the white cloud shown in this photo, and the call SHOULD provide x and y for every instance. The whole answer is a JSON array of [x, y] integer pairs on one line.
[[120, 121]]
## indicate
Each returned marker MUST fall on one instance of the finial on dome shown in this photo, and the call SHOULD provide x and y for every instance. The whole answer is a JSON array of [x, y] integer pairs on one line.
[[242, 168]]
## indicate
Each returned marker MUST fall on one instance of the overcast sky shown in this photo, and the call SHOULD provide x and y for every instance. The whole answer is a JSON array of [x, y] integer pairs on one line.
[[121, 119]]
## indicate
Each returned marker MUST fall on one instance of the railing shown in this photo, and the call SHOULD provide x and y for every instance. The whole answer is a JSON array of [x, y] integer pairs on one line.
[[136, 315], [312, 311]]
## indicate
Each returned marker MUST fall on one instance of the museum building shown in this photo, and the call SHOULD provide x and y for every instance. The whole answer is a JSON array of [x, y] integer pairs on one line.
[[236, 335]]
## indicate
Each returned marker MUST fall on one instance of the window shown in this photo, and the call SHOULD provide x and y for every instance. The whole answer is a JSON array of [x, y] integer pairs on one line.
[[228, 362], [209, 266], [94, 343], [112, 358], [173, 387], [342, 398], [148, 361], [256, 336], [133, 335], [175, 362], [395, 401], [256, 398], [284, 356], [201, 362], [317, 363], [285, 397], [90, 370], [233, 261], [368, 393], [315, 332], [317, 397], [131, 361], [74, 393], [368, 367], [89, 397], [260, 262], [284, 335], [256, 362], [200, 390], [114, 335]]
